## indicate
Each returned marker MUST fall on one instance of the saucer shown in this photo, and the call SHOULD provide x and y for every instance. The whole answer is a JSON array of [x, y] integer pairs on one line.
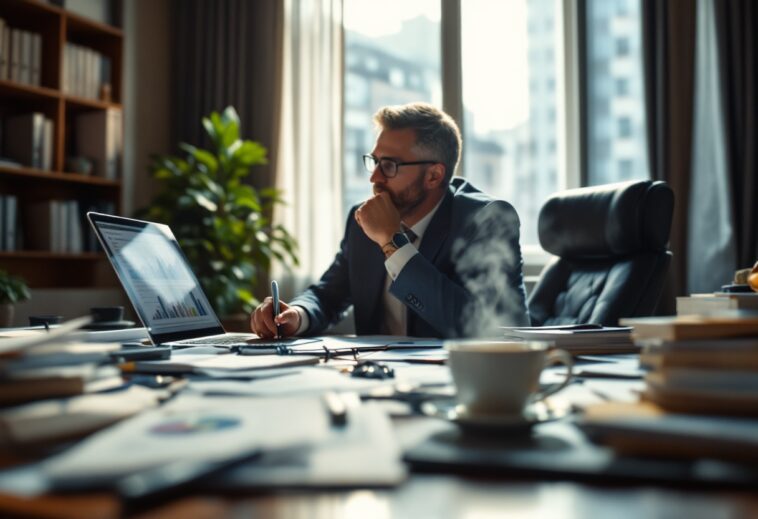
[[534, 414]]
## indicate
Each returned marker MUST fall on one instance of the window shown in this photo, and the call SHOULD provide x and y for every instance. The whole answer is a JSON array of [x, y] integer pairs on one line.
[[504, 109], [622, 87], [622, 46], [392, 56], [615, 135], [516, 58], [625, 127]]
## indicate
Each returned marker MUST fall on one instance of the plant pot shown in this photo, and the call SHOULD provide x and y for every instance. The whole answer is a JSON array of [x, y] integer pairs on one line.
[[239, 323], [6, 315]]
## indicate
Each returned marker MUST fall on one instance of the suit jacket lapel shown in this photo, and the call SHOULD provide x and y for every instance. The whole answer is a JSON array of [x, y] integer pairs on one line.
[[438, 228], [431, 244], [372, 278]]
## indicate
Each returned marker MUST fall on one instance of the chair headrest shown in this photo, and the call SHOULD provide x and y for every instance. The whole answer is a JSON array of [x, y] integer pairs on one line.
[[609, 220]]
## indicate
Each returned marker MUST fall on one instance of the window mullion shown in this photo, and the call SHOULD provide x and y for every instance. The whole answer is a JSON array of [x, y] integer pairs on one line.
[[452, 62], [570, 129]]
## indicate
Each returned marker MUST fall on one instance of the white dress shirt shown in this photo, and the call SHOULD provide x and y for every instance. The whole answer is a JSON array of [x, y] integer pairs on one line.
[[395, 313]]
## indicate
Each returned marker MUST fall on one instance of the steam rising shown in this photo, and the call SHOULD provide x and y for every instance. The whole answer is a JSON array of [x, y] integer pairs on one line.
[[488, 260]]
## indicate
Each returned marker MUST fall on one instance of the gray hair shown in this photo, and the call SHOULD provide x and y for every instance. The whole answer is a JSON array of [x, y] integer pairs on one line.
[[436, 131]]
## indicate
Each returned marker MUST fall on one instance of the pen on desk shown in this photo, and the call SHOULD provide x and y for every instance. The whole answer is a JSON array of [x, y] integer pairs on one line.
[[275, 296]]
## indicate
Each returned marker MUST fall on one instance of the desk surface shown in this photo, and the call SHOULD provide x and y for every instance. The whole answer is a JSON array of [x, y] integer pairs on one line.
[[425, 495], [428, 495]]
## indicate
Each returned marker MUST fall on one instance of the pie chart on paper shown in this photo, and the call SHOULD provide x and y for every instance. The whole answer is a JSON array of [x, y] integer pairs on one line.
[[195, 425]]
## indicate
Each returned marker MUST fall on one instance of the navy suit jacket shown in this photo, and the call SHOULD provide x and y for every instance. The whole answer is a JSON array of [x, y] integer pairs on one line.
[[465, 282]]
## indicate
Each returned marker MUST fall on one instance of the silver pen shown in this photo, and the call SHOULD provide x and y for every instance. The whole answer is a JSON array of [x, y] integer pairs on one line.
[[275, 297]]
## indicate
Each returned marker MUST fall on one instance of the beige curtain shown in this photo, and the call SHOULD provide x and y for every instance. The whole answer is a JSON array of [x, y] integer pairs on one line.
[[309, 151]]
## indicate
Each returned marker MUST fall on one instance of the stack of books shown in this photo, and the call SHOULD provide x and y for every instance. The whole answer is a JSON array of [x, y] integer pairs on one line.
[[54, 389], [717, 302], [578, 339], [700, 364]]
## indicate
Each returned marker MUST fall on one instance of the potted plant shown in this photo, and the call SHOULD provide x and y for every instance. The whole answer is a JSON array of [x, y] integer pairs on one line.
[[223, 224], [13, 290]]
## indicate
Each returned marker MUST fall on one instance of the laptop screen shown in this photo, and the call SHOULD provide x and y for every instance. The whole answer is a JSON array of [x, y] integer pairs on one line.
[[157, 278]]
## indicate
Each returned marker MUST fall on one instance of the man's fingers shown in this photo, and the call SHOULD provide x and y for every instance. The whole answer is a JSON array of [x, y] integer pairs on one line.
[[263, 319], [288, 316]]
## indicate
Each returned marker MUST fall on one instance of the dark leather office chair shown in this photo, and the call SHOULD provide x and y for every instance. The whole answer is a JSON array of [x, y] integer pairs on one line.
[[610, 242]]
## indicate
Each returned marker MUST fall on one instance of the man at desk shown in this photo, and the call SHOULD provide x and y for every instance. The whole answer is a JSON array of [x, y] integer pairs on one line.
[[428, 255]]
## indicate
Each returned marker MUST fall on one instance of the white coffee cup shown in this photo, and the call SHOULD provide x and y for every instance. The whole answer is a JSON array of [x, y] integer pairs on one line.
[[502, 377]]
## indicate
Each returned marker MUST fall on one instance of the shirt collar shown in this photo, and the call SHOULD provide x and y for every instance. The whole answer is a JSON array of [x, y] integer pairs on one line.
[[422, 224]]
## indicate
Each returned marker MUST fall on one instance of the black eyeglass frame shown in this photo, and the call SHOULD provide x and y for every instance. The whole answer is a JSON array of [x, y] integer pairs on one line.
[[368, 159]]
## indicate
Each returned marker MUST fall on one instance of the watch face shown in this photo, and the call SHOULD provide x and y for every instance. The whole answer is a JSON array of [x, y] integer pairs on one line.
[[399, 239]]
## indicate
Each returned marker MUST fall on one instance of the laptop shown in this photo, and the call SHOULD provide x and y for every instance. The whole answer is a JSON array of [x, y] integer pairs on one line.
[[161, 286]]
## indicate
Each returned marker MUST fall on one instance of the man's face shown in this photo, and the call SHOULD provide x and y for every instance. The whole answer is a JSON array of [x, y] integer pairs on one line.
[[406, 189]]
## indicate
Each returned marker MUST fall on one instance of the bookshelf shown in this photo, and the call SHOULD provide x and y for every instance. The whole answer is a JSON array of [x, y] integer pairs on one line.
[[77, 57]]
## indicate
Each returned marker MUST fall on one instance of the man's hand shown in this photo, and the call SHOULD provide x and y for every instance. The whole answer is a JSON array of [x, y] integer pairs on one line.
[[379, 218], [263, 324]]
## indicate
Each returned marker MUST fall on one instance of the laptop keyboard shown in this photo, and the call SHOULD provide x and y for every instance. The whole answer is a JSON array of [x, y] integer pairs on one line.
[[241, 340], [223, 340]]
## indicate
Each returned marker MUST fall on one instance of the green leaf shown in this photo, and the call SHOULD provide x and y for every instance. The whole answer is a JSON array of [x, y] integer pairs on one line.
[[221, 222]]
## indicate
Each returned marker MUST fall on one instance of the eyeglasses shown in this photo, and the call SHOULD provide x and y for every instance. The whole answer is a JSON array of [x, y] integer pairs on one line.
[[388, 167]]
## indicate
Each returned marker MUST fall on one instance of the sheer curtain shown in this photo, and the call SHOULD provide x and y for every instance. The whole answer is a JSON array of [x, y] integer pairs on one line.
[[711, 244], [309, 154]]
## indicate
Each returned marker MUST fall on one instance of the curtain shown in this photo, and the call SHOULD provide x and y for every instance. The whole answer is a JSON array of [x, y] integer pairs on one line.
[[228, 52], [309, 153], [711, 247], [669, 48], [736, 22]]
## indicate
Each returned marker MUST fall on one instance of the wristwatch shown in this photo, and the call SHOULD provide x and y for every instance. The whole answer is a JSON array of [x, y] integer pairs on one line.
[[398, 240]]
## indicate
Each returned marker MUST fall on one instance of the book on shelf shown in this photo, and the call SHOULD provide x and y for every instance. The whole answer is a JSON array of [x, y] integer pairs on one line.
[[61, 225], [98, 137], [4, 49], [704, 304], [48, 136], [9, 219], [24, 137], [25, 60], [15, 55], [35, 75], [90, 241], [675, 328]]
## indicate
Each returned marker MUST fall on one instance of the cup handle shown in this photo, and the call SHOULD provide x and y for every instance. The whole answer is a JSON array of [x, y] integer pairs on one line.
[[556, 357]]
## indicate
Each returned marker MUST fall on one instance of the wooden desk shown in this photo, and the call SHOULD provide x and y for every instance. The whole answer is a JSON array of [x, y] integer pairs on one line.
[[423, 495], [426, 495]]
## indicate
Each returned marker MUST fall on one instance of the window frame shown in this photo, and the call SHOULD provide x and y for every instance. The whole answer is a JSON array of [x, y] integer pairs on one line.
[[570, 141]]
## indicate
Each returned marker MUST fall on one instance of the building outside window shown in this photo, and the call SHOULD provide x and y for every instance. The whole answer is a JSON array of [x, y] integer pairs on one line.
[[392, 52], [514, 119]]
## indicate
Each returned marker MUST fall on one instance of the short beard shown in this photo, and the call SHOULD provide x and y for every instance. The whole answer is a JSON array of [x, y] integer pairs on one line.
[[408, 199]]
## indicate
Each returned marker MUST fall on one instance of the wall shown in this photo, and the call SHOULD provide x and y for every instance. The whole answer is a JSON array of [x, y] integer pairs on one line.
[[146, 102]]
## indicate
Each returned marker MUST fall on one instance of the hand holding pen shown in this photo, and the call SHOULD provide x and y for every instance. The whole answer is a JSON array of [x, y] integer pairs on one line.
[[268, 322]]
